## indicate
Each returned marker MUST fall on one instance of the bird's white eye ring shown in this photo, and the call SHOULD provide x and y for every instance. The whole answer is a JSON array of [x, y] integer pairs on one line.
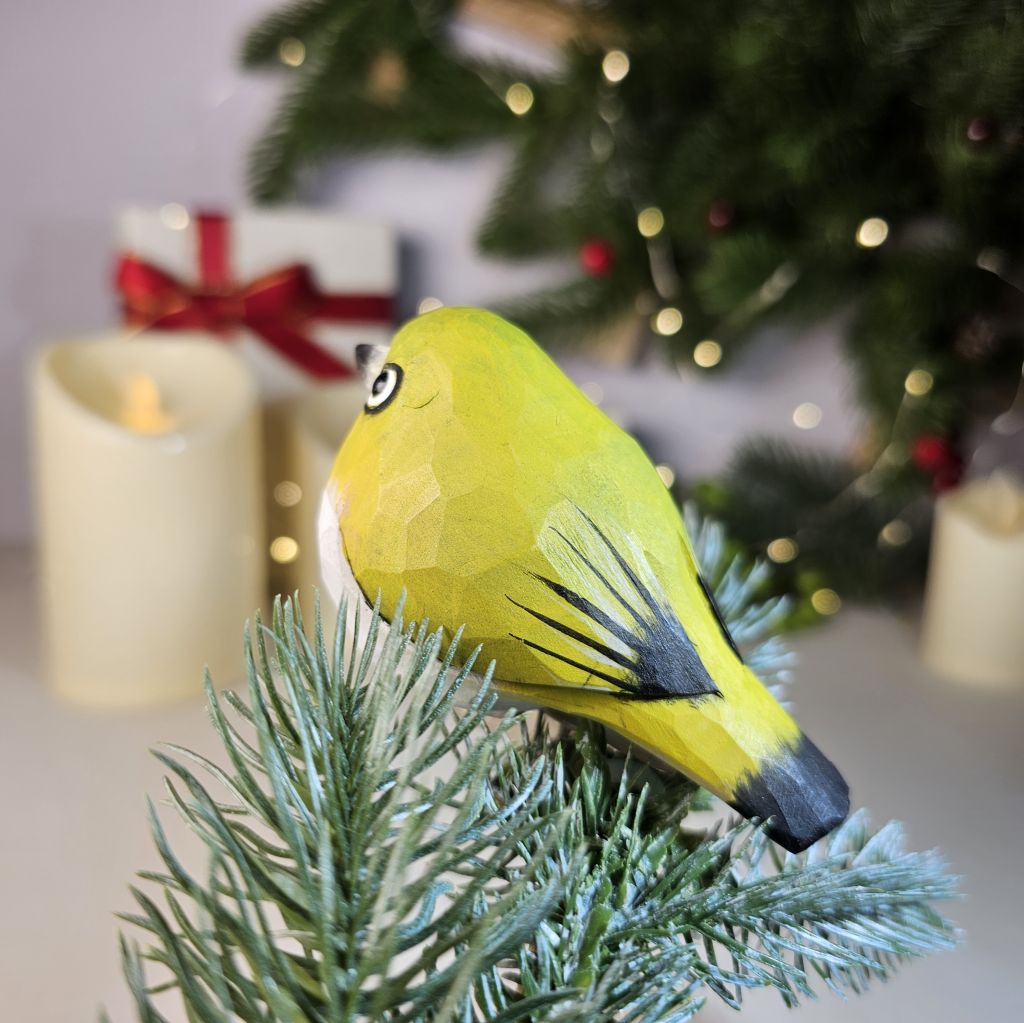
[[384, 388]]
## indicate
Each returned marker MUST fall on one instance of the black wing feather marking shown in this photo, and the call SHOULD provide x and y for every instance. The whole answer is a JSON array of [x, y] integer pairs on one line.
[[591, 610], [589, 669], [607, 585], [664, 664], [717, 612], [581, 637], [645, 593]]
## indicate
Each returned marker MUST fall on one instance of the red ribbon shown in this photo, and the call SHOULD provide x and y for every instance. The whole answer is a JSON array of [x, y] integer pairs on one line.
[[277, 306]]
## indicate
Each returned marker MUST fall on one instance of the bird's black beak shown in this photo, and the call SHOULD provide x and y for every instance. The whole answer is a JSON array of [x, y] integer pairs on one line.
[[369, 361], [364, 353], [801, 791]]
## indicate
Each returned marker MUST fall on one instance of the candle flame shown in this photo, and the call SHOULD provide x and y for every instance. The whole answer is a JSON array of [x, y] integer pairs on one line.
[[143, 410]]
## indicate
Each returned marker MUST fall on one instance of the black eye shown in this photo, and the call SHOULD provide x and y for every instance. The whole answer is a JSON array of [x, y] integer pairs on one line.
[[384, 388]]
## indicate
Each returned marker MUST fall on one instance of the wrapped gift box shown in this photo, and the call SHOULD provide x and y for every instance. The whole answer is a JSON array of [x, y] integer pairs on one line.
[[293, 292], [320, 284]]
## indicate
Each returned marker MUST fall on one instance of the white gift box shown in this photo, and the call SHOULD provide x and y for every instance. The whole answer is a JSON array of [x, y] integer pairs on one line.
[[343, 256]]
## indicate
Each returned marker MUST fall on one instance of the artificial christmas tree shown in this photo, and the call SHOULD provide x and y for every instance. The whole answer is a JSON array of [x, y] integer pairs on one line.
[[713, 168]]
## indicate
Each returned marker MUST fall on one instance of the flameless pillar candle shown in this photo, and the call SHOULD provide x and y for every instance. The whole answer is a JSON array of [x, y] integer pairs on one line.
[[973, 628], [149, 492]]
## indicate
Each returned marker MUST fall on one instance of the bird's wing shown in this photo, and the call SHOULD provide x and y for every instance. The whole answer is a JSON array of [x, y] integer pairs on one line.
[[602, 614], [591, 610]]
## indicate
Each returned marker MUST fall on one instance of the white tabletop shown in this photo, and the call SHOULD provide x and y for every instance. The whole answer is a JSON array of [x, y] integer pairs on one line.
[[949, 761]]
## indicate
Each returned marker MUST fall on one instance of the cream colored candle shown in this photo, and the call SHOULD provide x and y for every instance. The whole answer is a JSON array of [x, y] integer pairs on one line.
[[317, 424], [149, 489], [973, 628]]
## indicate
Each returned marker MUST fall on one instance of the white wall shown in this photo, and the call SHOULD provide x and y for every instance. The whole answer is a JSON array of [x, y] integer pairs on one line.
[[112, 101]]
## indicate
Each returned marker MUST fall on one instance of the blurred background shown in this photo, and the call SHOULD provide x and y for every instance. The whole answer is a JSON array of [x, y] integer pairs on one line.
[[782, 247]]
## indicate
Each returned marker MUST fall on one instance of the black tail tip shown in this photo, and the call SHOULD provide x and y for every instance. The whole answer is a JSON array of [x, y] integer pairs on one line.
[[801, 791]]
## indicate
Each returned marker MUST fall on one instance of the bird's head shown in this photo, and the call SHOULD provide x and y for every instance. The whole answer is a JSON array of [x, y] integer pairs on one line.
[[451, 390], [468, 355]]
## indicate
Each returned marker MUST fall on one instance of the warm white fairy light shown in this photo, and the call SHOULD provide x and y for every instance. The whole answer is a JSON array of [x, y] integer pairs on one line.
[[895, 533], [826, 601], [782, 550], [287, 493], [593, 390], [615, 66], [428, 304], [667, 474], [807, 415], [284, 550], [519, 98], [872, 232], [292, 51], [650, 221], [174, 216], [707, 353], [668, 321], [918, 383]]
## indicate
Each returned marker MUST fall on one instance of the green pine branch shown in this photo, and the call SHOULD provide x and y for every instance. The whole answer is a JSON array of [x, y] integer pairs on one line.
[[332, 105], [379, 849], [805, 118], [569, 313], [300, 20], [833, 511]]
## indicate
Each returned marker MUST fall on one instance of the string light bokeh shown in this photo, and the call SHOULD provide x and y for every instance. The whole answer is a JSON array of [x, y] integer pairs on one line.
[[663, 315]]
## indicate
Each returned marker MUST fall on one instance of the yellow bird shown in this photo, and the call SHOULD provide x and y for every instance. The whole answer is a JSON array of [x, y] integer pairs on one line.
[[481, 482]]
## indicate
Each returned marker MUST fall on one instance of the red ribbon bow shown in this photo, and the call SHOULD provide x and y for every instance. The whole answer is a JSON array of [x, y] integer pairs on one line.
[[277, 306]]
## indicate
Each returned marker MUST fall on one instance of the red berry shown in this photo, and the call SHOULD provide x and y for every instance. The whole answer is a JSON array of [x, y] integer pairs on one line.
[[981, 130], [597, 257], [721, 215], [932, 453]]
